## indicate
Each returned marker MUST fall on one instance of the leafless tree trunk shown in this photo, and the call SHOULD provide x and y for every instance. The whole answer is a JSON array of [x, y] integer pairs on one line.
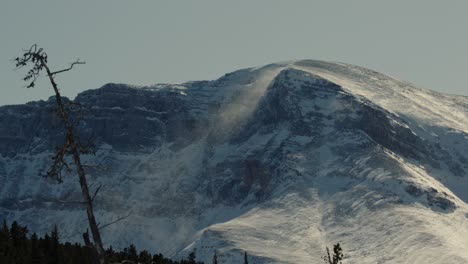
[[71, 146]]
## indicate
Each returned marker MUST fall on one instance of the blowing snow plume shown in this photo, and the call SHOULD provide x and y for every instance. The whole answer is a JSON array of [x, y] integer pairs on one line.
[[242, 97]]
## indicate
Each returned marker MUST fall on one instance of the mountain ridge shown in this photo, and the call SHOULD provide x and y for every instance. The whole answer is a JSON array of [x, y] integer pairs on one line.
[[278, 160]]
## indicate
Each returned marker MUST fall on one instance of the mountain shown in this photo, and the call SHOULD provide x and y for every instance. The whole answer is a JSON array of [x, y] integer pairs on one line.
[[279, 161]]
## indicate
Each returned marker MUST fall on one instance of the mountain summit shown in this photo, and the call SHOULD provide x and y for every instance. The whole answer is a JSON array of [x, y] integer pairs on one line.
[[279, 161]]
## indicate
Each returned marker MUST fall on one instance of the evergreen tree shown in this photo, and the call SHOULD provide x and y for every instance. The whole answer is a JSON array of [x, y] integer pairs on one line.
[[44, 246], [19, 248], [336, 257], [192, 258], [215, 258], [54, 255], [132, 253], [337, 254], [5, 244], [35, 252], [158, 259], [112, 256], [4, 240], [18, 234], [144, 257]]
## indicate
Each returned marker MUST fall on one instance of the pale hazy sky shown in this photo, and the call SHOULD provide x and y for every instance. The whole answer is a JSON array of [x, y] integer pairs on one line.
[[144, 42]]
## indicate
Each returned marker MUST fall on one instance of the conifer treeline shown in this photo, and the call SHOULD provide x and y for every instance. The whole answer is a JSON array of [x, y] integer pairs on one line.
[[16, 247]]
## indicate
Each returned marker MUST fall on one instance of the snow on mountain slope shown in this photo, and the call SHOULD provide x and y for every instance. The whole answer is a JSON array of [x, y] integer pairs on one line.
[[279, 161], [428, 107]]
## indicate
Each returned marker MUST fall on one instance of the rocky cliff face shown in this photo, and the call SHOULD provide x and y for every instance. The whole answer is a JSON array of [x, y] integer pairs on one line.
[[279, 161]]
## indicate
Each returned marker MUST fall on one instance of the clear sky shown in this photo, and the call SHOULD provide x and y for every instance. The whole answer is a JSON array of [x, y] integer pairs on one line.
[[149, 41]]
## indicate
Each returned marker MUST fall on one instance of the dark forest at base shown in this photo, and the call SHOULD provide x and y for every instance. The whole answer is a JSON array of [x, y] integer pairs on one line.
[[17, 247]]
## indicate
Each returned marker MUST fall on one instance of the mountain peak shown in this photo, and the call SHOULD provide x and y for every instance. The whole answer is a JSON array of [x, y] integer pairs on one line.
[[289, 155]]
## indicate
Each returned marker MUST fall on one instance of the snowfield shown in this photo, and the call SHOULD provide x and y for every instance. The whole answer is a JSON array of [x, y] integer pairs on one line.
[[279, 161]]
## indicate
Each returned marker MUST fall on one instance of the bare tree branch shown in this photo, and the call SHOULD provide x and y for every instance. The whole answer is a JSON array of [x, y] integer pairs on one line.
[[69, 68], [96, 192], [115, 221]]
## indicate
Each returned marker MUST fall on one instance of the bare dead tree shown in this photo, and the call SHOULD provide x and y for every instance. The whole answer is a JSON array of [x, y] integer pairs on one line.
[[72, 147]]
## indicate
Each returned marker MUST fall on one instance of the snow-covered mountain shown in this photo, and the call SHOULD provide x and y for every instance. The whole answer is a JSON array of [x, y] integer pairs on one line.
[[278, 161]]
